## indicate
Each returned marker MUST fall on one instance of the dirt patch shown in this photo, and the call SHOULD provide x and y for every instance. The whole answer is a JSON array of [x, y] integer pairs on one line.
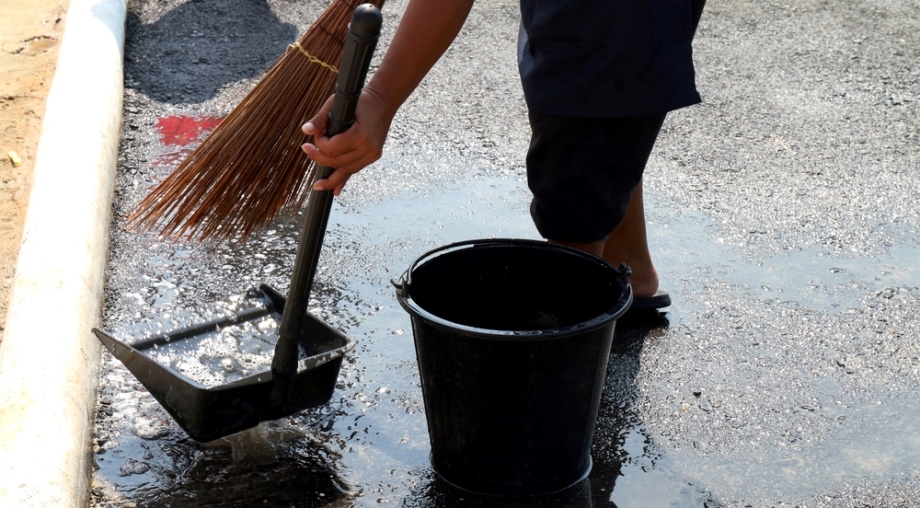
[[28, 56]]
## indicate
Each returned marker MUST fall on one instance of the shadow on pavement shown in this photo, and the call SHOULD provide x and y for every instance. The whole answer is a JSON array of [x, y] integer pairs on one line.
[[204, 50]]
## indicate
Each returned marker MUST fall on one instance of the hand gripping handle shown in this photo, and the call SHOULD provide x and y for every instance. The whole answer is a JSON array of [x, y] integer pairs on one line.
[[360, 42]]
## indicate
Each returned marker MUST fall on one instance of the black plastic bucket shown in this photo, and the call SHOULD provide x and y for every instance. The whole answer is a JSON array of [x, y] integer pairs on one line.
[[512, 339]]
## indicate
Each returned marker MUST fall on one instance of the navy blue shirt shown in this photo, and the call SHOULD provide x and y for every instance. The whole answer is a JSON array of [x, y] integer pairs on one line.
[[608, 58]]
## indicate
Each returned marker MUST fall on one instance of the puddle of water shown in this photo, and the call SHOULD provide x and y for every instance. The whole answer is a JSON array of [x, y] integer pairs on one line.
[[374, 426], [218, 356], [222, 356], [690, 244], [646, 482], [881, 442], [369, 445], [791, 308]]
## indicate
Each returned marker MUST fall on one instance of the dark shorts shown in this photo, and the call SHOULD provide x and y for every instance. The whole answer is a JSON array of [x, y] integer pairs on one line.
[[608, 58], [583, 171]]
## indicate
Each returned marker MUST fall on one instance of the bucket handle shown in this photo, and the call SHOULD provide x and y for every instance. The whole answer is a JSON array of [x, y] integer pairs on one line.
[[401, 282]]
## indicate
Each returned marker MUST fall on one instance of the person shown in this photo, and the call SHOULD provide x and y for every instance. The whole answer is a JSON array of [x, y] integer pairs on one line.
[[598, 79]]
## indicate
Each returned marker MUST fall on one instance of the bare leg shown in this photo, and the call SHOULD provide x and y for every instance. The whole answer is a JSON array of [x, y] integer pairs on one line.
[[629, 244]]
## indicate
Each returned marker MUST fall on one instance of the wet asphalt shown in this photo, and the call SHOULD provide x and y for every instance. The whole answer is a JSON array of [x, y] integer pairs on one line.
[[782, 218]]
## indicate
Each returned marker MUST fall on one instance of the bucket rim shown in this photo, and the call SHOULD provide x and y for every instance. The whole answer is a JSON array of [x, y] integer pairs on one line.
[[610, 316]]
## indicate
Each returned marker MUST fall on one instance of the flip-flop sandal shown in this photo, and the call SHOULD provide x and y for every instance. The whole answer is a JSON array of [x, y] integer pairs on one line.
[[649, 304]]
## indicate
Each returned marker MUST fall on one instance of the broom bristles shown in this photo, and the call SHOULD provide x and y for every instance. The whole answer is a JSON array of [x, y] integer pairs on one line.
[[250, 168]]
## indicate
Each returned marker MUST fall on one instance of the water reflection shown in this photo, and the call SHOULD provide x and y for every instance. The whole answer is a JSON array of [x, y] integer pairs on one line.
[[197, 476], [435, 493], [628, 470]]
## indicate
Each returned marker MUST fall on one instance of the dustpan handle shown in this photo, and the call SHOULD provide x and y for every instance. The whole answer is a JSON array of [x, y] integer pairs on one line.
[[360, 42]]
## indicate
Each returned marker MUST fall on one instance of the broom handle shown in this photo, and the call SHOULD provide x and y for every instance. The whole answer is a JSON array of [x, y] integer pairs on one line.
[[360, 42]]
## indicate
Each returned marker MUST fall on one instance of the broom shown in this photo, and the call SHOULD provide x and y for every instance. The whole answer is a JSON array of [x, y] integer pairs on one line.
[[251, 167]]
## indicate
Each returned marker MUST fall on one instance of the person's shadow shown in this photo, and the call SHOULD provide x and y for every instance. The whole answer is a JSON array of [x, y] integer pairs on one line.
[[188, 53]]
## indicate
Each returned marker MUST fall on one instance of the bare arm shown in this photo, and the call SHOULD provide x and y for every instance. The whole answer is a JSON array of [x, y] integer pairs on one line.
[[427, 29]]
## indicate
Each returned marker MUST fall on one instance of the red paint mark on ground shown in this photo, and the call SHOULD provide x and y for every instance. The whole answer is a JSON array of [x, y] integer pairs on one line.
[[183, 130]]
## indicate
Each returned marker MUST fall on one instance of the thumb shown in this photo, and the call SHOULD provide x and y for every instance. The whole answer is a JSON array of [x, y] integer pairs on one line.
[[316, 126]]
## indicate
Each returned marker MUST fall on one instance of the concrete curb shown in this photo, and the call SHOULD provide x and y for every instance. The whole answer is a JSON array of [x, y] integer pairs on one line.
[[49, 359]]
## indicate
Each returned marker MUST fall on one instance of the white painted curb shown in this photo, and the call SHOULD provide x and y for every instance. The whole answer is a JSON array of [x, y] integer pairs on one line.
[[49, 359]]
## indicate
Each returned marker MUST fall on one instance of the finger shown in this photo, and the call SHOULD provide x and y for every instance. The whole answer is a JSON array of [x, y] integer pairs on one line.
[[335, 182], [353, 159], [347, 160], [317, 156]]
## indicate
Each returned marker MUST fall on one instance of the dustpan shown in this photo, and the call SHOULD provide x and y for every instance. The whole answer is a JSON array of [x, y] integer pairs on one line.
[[308, 352]]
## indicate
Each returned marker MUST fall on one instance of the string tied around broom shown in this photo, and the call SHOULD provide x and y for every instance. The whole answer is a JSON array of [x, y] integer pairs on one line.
[[312, 58]]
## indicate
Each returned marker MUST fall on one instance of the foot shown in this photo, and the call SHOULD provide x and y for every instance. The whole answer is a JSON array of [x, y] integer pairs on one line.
[[656, 303], [644, 280]]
